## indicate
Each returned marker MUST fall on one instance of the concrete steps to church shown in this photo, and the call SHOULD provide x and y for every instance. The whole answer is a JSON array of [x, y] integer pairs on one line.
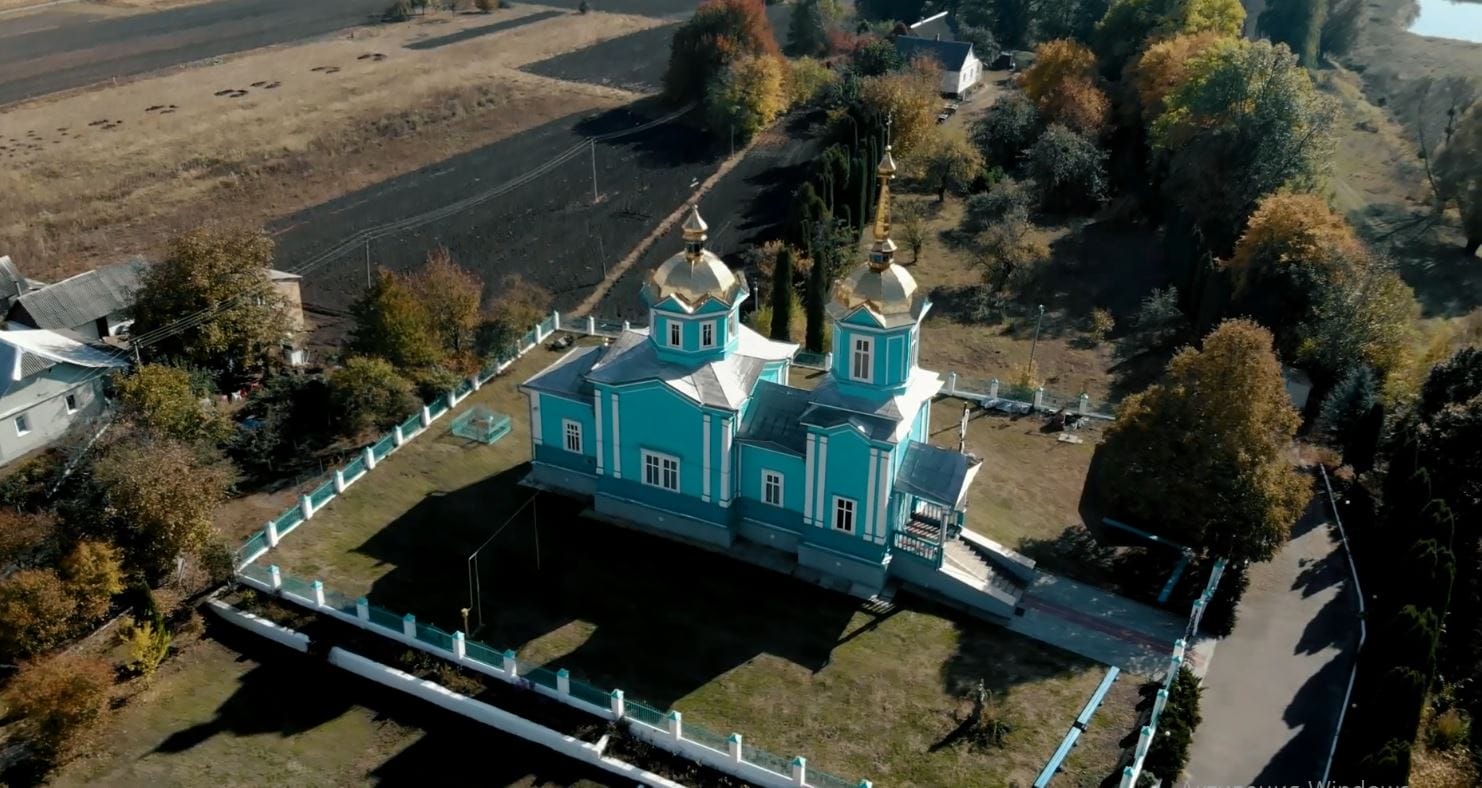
[[961, 558]]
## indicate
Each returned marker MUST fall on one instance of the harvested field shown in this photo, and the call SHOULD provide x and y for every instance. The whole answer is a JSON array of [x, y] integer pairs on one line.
[[745, 207], [94, 176], [626, 62], [547, 230]]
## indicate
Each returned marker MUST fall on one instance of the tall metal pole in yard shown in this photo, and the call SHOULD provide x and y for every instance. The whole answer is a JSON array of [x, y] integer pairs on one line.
[[1035, 344], [594, 172]]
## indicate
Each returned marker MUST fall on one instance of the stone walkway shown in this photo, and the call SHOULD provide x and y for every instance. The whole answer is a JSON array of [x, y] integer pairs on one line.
[[1099, 625], [1272, 694]]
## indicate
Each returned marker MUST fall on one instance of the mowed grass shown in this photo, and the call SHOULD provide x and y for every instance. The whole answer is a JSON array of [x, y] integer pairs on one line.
[[214, 715], [793, 668]]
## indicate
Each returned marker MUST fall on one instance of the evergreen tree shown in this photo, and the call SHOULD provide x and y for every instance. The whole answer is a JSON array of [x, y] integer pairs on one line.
[[1347, 405], [808, 210], [806, 32], [782, 296], [817, 297]]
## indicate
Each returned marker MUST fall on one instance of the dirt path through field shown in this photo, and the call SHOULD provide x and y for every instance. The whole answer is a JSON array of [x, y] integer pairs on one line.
[[614, 273]]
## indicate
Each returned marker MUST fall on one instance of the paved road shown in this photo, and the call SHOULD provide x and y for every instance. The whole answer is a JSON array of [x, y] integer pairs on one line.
[[67, 47], [1273, 690]]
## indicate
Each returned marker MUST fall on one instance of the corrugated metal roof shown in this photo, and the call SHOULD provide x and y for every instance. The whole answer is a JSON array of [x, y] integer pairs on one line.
[[80, 300], [773, 417], [935, 473]]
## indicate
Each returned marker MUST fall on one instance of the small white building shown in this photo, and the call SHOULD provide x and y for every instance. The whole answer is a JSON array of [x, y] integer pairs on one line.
[[960, 66], [48, 383]]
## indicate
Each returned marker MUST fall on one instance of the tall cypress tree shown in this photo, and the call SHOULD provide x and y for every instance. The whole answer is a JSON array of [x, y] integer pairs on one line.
[[782, 296], [817, 294]]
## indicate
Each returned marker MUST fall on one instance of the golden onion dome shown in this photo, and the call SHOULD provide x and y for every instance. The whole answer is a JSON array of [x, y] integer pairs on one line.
[[890, 292], [695, 274]]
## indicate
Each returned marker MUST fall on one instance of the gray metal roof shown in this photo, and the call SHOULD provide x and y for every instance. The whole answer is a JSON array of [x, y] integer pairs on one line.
[[873, 427], [934, 473], [773, 417], [951, 54], [84, 298], [935, 27], [567, 377], [631, 358]]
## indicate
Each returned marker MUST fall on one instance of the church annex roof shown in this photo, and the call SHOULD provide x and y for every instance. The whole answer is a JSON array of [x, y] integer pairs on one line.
[[774, 418], [567, 375], [631, 358], [935, 473]]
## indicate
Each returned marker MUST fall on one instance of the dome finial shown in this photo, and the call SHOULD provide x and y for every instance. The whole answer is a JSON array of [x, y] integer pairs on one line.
[[883, 251], [694, 234]]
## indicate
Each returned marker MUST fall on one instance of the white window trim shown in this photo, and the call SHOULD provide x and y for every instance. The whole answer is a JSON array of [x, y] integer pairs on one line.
[[869, 353], [676, 333], [566, 429], [853, 515], [18, 421], [712, 326], [645, 454], [69, 402], [767, 473]]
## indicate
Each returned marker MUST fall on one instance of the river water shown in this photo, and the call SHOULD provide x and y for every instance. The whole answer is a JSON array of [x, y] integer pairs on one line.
[[1458, 19]]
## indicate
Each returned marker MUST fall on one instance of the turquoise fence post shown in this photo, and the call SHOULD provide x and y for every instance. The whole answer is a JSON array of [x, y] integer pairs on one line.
[[272, 533], [733, 746], [306, 506], [370, 458], [617, 704], [397, 438], [275, 577], [866, 784], [460, 648], [426, 417], [511, 665], [563, 681], [362, 609], [409, 626], [800, 770], [993, 389], [1128, 777], [318, 586], [339, 481], [676, 725]]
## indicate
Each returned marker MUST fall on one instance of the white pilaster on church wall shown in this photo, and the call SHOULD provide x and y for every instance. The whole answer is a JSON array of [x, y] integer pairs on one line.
[[882, 486], [725, 461], [708, 449], [597, 414], [869, 513], [820, 490], [808, 481], [535, 418], [617, 440]]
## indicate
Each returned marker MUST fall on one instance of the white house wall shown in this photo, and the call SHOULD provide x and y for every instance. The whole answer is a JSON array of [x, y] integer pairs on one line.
[[42, 401]]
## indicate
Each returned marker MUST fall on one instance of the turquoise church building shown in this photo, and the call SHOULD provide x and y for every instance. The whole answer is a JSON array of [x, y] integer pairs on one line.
[[691, 428]]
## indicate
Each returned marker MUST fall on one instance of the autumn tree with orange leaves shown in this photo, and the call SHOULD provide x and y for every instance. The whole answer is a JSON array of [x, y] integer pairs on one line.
[[719, 32], [1062, 84]]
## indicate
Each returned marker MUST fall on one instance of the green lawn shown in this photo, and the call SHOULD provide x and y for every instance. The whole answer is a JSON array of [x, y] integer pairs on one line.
[[795, 669], [212, 716]]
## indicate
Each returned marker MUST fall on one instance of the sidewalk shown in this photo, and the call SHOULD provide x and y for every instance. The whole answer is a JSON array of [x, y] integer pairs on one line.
[[1272, 697], [1099, 625]]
